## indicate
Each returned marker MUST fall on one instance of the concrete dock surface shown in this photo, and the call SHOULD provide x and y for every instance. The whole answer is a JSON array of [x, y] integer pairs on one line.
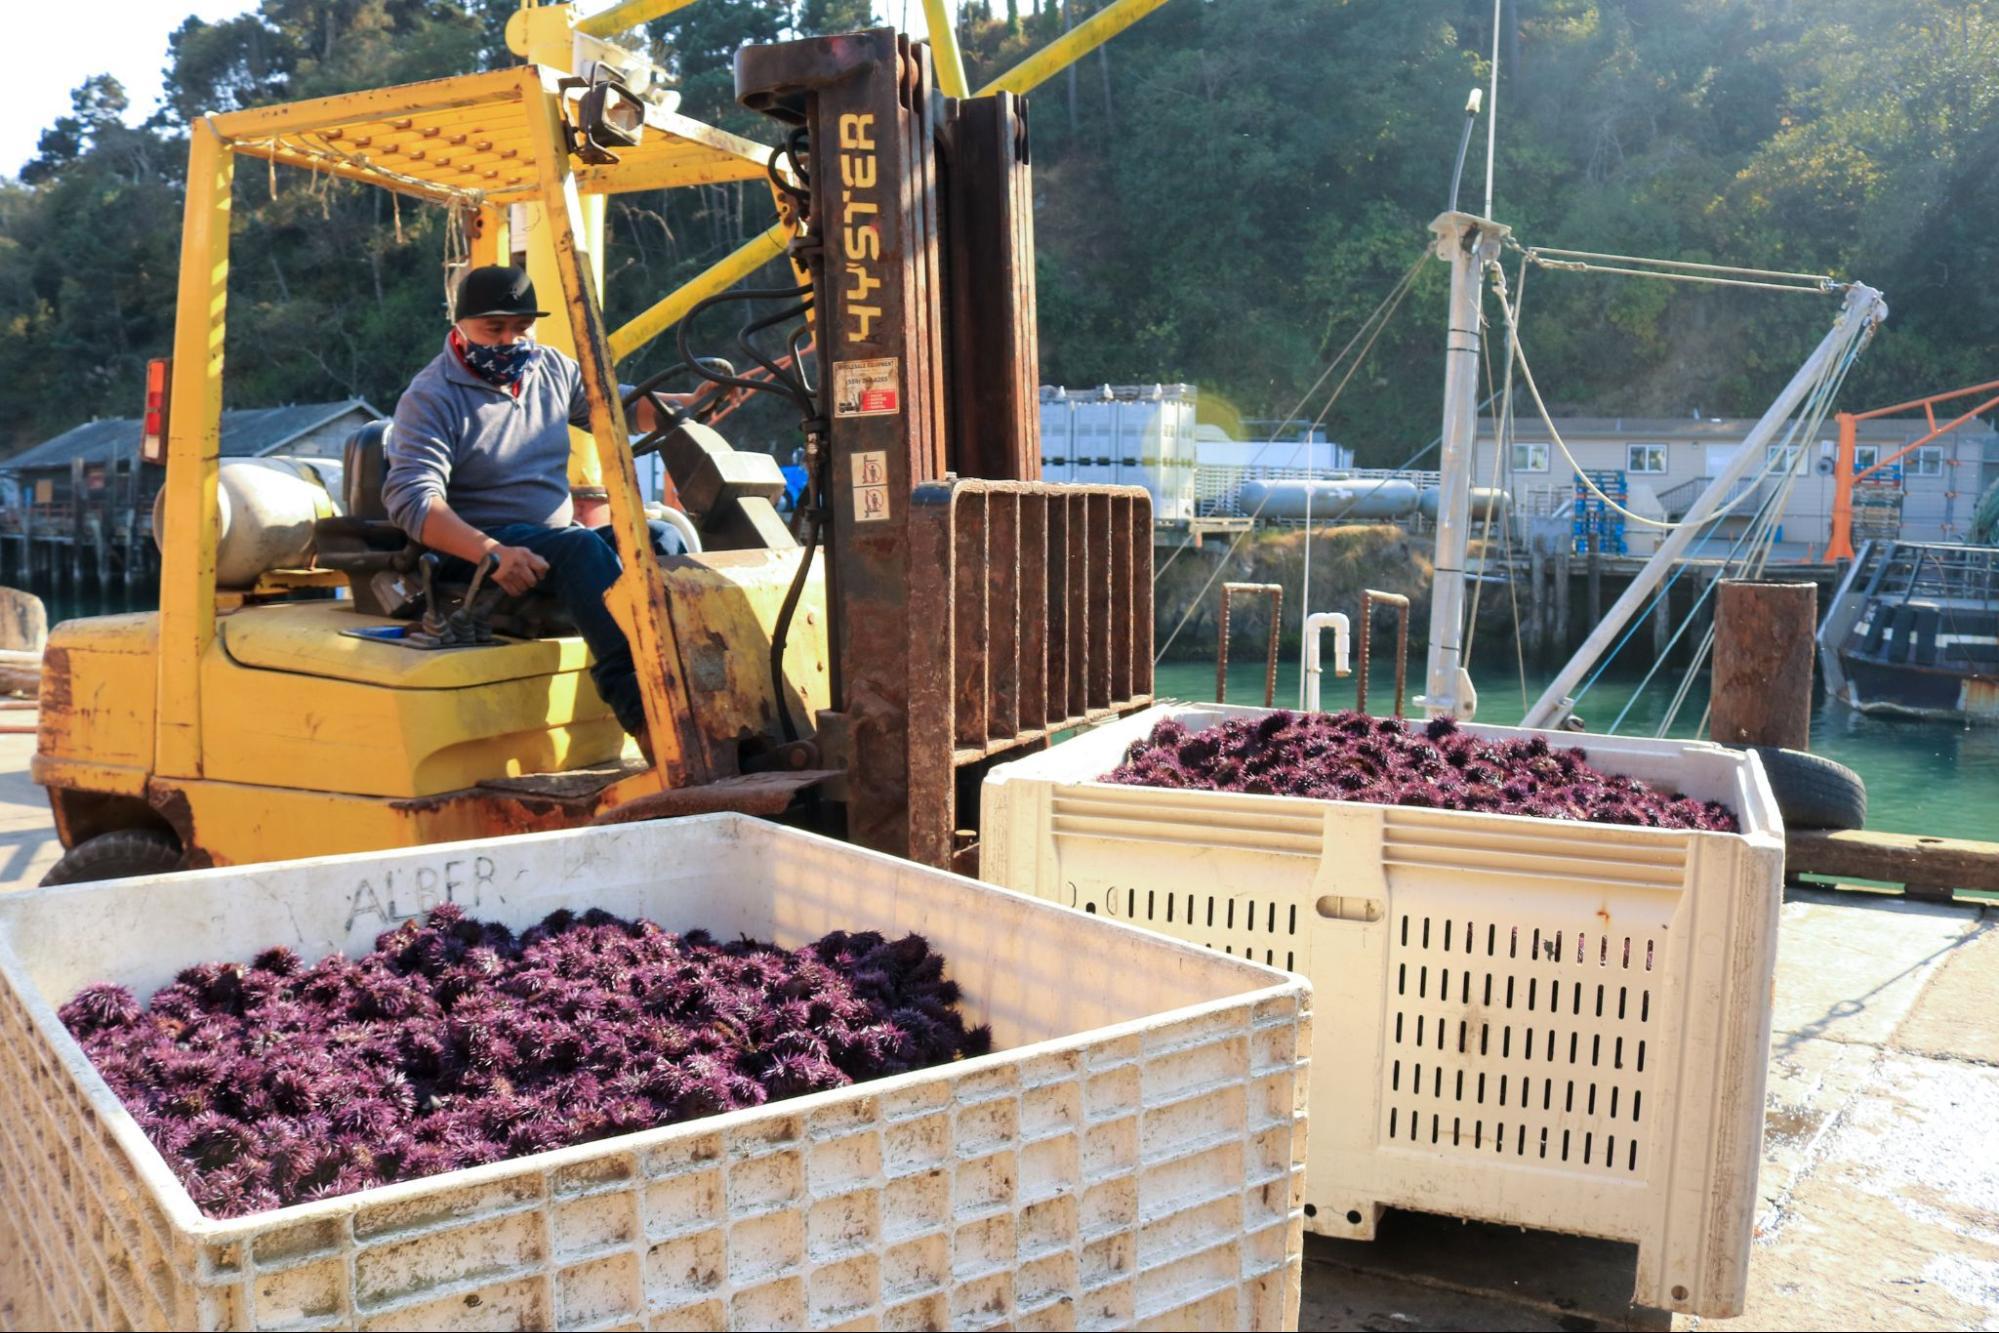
[[1880, 1183], [1879, 1190], [28, 845]]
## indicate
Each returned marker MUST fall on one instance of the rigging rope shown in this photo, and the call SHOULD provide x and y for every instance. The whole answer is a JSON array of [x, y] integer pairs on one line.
[[1743, 547], [1505, 449], [1378, 317], [1380, 312], [1533, 252], [1578, 266], [1760, 548], [1501, 432], [1548, 424], [1359, 358]]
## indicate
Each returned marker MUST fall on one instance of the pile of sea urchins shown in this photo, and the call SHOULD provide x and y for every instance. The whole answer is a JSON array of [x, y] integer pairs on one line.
[[1352, 757], [457, 1042]]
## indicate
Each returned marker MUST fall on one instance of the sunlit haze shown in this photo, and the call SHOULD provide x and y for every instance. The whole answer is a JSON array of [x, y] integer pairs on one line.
[[48, 52]]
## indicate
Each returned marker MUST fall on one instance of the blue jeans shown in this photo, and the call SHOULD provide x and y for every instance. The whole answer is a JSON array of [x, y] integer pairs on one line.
[[582, 565]]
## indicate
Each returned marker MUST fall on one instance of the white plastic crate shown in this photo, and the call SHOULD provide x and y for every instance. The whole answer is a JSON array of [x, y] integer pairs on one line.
[[1531, 1021], [1130, 1155]]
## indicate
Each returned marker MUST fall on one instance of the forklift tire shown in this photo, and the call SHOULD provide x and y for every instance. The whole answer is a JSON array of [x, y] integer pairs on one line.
[[1812, 791], [119, 854]]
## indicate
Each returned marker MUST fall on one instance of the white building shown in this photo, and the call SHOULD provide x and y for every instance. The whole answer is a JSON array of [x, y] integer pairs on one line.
[[1665, 463]]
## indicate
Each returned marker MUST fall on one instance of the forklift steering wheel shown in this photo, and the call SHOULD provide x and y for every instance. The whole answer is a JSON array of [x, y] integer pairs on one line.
[[667, 417]]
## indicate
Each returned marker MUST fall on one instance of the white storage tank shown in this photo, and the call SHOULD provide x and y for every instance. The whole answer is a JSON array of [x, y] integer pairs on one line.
[[1487, 502], [265, 509], [1329, 501]]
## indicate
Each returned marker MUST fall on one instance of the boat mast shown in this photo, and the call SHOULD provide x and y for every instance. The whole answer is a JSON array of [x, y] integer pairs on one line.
[[1468, 244]]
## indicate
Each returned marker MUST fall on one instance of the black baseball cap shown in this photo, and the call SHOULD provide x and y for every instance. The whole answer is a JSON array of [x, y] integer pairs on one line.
[[497, 289]]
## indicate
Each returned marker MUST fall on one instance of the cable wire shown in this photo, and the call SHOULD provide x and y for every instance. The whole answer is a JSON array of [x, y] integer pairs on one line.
[[1760, 550], [1578, 266], [1548, 424], [1536, 250], [1391, 304], [1743, 547], [1385, 308]]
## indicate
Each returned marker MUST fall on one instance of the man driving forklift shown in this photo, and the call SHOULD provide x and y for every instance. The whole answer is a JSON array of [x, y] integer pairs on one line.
[[478, 467]]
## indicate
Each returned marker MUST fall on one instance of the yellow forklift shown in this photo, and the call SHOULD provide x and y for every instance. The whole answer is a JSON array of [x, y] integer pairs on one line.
[[932, 607]]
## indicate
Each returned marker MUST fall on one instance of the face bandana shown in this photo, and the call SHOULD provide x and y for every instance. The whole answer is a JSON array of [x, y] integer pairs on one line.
[[503, 366]]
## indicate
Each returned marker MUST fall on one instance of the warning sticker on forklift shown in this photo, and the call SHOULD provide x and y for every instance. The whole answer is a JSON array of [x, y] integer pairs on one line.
[[866, 388], [871, 486]]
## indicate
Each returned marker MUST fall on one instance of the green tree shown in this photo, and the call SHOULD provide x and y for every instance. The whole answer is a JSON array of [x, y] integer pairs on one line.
[[97, 114], [1224, 194]]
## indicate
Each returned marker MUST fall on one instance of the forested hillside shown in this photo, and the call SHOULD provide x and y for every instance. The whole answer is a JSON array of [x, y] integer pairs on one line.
[[1223, 194]]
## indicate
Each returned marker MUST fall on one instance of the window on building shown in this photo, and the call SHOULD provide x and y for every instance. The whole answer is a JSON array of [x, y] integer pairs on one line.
[[1927, 461], [1779, 457], [1530, 458], [1865, 456], [1645, 458]]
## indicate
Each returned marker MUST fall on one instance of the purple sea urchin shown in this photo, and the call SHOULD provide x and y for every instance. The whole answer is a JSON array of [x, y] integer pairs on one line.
[[455, 1044], [1380, 761]]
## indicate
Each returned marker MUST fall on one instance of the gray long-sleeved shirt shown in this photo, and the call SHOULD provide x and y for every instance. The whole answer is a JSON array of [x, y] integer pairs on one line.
[[494, 456]]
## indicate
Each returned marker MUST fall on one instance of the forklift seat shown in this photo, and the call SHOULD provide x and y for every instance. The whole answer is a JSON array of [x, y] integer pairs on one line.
[[364, 545], [366, 468]]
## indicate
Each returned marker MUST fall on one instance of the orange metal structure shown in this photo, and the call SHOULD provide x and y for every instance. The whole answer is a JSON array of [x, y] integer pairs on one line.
[[1840, 547]]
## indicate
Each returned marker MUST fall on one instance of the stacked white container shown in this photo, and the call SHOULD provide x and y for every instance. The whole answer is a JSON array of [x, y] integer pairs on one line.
[[1124, 434], [1058, 425]]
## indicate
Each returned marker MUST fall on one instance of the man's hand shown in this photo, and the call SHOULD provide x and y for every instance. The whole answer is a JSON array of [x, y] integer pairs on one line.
[[519, 569]]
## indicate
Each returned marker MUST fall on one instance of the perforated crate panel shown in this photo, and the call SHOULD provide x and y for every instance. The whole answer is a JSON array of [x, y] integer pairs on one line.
[[1536, 1022], [1147, 1173]]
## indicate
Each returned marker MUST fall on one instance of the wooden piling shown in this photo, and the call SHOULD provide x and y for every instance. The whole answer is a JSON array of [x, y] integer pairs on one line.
[[1560, 630], [135, 550], [1662, 623], [1594, 573], [1763, 651], [1537, 602], [78, 517]]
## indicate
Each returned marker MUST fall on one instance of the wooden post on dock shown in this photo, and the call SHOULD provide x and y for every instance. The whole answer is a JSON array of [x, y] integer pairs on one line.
[[1560, 638], [1595, 576], [1763, 650], [106, 515], [77, 521], [1537, 601], [135, 549], [1662, 622]]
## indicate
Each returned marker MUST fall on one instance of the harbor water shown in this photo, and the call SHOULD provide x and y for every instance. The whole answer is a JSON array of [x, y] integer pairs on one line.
[[1923, 777]]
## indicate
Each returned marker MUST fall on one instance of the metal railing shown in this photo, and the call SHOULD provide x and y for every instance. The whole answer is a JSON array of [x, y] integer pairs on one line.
[[1274, 593], [1904, 571]]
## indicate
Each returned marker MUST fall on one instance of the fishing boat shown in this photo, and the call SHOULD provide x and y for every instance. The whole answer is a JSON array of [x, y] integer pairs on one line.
[[1913, 630]]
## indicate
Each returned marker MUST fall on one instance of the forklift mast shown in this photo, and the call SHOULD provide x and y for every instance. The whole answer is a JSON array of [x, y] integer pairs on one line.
[[975, 610]]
